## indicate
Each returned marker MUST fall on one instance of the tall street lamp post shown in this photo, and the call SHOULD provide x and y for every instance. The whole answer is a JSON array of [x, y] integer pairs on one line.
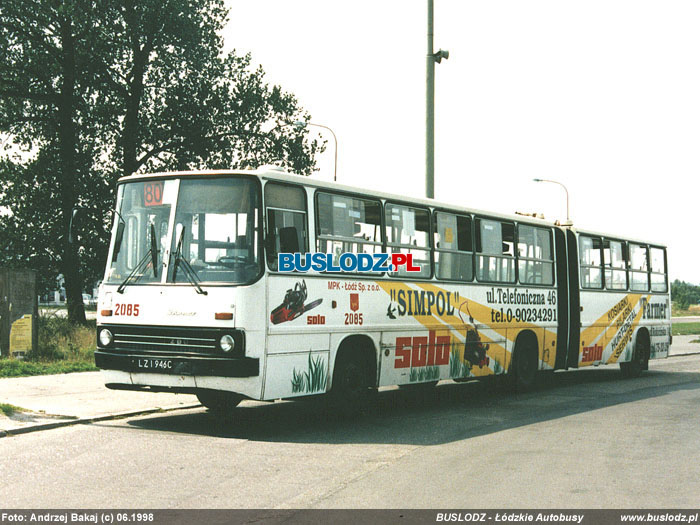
[[431, 58], [568, 219], [300, 124]]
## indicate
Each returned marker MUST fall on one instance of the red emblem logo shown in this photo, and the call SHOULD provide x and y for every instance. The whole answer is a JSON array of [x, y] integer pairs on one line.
[[354, 302]]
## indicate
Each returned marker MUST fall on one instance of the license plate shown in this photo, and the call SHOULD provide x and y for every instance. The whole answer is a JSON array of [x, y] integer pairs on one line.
[[155, 364]]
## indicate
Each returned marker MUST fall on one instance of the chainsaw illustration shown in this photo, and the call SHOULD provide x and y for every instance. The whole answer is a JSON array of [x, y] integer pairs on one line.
[[293, 305], [474, 349]]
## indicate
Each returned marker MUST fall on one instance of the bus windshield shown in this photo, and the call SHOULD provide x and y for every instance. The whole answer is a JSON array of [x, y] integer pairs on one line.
[[215, 232]]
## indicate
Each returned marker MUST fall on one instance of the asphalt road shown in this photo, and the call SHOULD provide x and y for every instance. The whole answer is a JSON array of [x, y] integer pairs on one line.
[[583, 439]]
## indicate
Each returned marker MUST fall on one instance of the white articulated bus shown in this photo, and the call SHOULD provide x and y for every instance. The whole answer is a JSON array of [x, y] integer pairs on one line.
[[193, 300]]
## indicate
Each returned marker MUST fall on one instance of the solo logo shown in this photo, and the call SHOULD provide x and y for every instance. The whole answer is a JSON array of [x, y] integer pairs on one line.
[[413, 352], [347, 262], [592, 353]]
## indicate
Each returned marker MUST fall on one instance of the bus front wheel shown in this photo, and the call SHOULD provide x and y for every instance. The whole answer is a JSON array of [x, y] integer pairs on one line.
[[351, 383], [219, 402]]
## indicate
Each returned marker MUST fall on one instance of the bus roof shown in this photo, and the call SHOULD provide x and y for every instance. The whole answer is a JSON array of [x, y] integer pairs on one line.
[[279, 174]]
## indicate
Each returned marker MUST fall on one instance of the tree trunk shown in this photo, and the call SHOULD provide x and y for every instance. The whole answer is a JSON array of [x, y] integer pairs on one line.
[[67, 141], [130, 130]]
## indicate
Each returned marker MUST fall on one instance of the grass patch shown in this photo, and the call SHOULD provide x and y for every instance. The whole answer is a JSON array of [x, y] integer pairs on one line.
[[693, 309], [685, 328], [8, 409], [62, 347], [61, 340], [16, 368], [695, 341]]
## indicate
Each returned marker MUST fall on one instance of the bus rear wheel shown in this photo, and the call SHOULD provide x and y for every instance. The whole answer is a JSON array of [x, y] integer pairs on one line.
[[639, 362], [218, 402], [524, 366]]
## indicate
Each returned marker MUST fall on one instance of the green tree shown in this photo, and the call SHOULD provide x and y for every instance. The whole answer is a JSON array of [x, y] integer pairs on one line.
[[96, 90], [44, 95], [684, 294]]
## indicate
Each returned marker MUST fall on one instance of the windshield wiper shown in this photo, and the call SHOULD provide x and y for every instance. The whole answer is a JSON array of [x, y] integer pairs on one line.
[[151, 254], [188, 270], [119, 237]]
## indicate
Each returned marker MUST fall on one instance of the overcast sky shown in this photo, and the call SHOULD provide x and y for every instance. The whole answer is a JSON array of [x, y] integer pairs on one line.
[[603, 96]]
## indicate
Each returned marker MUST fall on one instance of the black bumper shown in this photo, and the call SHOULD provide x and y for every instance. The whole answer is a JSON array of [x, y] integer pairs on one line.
[[182, 366]]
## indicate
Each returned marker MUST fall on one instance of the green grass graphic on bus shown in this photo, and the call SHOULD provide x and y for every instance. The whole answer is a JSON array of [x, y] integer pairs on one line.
[[418, 375], [313, 379], [458, 369]]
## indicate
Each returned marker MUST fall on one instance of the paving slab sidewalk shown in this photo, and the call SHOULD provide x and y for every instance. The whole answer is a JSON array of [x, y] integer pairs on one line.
[[60, 398], [682, 344]]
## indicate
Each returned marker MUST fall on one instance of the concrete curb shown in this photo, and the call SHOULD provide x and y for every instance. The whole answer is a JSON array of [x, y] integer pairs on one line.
[[95, 419]]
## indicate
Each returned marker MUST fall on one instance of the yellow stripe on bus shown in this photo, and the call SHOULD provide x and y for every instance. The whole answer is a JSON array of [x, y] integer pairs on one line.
[[510, 333], [609, 318], [626, 337]]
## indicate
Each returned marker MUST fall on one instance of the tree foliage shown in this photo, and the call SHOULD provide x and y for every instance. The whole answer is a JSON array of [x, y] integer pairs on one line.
[[90, 91], [684, 294]]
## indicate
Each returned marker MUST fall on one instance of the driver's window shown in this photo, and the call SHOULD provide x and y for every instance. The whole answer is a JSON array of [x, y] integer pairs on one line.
[[285, 210]]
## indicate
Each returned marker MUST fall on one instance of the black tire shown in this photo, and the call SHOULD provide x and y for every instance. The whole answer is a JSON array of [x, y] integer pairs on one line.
[[523, 370], [351, 383], [218, 402], [639, 362]]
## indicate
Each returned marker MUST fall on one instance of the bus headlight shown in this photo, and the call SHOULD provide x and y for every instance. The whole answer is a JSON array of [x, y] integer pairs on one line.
[[227, 343], [106, 337]]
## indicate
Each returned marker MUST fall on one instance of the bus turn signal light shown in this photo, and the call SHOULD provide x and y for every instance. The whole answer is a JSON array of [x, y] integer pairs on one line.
[[223, 316], [106, 313]]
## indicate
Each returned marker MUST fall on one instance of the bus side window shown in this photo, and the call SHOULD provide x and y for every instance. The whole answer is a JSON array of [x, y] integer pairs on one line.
[[288, 238], [639, 267], [615, 258], [495, 247], [408, 232], [285, 210], [591, 262], [535, 259], [346, 224], [453, 247], [659, 278]]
